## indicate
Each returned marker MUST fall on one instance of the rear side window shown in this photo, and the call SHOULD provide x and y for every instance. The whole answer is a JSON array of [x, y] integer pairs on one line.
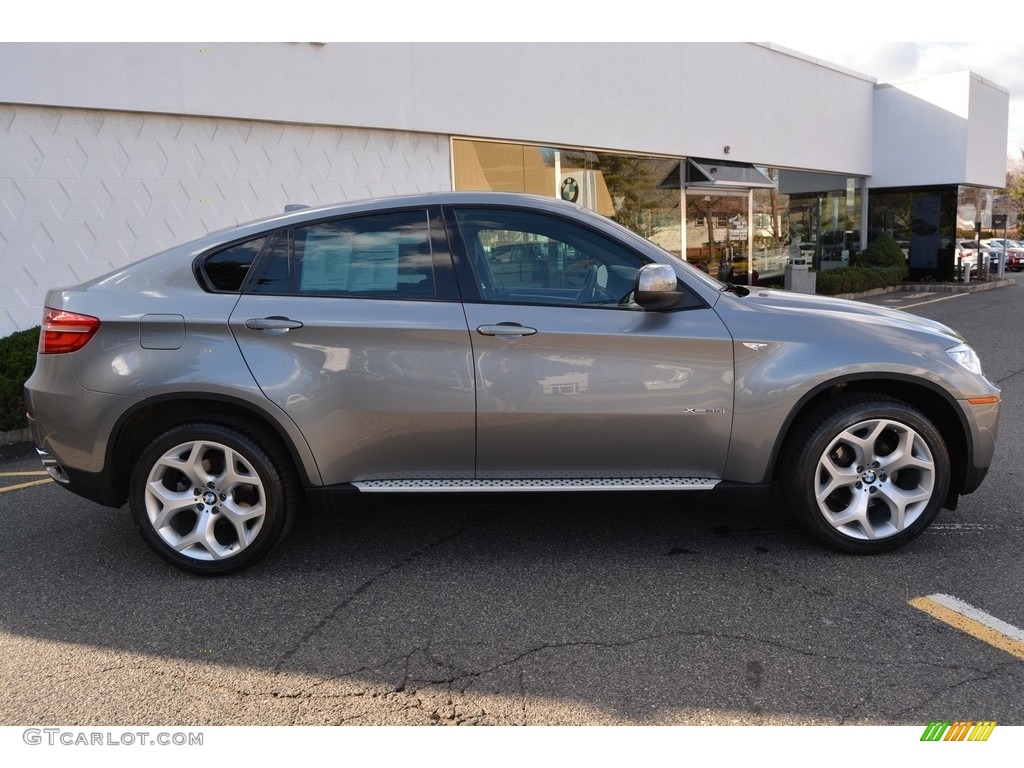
[[227, 269], [385, 255]]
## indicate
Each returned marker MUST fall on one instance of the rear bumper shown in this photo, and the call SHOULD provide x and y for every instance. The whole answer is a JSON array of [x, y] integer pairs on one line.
[[52, 466], [94, 486], [71, 426]]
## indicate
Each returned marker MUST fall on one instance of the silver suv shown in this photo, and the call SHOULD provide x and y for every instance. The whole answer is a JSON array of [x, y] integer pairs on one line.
[[486, 342]]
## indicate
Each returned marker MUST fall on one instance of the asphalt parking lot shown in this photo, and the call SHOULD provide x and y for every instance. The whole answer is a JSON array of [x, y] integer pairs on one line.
[[542, 610]]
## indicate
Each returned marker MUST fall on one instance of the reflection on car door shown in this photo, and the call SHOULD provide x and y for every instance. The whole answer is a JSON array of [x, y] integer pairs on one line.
[[603, 393]]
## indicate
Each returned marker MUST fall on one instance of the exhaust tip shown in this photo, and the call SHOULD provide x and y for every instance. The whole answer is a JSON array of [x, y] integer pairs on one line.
[[53, 469]]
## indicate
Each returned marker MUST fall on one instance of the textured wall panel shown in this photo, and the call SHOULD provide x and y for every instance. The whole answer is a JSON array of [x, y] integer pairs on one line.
[[83, 192]]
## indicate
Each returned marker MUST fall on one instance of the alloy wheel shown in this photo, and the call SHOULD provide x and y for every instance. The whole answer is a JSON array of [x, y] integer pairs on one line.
[[875, 479], [205, 500]]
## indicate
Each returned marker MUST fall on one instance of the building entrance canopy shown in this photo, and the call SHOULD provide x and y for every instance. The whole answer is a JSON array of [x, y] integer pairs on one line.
[[716, 174]]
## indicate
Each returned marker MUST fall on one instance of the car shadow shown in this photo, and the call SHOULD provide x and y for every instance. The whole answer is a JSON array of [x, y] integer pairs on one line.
[[618, 608]]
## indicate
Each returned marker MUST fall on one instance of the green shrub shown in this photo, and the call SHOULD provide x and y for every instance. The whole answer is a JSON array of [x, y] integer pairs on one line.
[[858, 279], [883, 252], [17, 359]]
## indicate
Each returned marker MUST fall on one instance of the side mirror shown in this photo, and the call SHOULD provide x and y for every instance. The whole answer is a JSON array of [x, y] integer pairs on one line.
[[657, 287]]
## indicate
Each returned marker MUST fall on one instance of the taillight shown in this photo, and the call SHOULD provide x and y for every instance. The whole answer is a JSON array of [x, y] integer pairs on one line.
[[65, 331]]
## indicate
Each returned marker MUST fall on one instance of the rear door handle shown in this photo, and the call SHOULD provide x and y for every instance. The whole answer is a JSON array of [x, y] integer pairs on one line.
[[274, 324], [505, 329]]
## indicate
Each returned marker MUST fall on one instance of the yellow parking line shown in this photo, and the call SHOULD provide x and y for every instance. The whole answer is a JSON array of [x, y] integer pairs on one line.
[[19, 486], [24, 474], [965, 617]]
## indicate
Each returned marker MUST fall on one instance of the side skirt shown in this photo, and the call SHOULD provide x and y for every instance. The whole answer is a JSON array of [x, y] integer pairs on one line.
[[536, 485], [677, 492]]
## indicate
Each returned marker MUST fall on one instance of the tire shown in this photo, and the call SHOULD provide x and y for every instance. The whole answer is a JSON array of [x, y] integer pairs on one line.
[[865, 474], [210, 499]]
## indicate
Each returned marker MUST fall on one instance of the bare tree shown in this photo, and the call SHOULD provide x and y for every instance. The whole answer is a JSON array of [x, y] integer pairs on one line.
[[633, 184], [1012, 195]]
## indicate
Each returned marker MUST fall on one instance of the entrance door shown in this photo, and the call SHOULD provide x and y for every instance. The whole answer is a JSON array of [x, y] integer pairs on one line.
[[717, 235]]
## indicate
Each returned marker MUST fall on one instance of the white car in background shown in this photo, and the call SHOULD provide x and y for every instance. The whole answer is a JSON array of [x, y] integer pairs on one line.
[[967, 254]]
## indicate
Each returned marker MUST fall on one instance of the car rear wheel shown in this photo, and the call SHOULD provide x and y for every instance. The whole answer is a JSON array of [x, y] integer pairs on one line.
[[210, 499], [865, 474]]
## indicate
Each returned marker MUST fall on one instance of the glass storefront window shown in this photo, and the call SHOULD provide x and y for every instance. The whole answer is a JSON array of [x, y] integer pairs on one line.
[[722, 248], [622, 187], [716, 233], [824, 213], [739, 223], [974, 207], [924, 221]]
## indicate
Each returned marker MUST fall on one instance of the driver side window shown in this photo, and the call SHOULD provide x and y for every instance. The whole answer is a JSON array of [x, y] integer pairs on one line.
[[525, 257]]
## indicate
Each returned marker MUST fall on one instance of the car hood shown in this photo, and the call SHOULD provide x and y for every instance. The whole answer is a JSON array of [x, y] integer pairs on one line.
[[826, 307]]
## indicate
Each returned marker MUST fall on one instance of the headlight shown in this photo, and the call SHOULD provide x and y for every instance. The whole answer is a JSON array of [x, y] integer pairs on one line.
[[966, 356]]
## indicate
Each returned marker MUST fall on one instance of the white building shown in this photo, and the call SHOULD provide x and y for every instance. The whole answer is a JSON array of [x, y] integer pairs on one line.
[[111, 152]]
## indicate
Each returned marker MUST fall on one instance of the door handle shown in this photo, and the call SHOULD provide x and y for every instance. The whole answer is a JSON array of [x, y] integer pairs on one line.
[[505, 329], [272, 324]]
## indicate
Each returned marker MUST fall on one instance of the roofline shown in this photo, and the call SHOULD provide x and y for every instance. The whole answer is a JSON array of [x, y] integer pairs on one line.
[[819, 62]]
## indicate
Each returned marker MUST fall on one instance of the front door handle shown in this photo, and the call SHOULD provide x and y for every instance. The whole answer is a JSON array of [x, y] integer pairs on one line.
[[509, 330], [273, 324]]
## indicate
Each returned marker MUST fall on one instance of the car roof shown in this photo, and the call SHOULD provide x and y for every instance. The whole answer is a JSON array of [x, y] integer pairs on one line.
[[308, 215], [420, 199]]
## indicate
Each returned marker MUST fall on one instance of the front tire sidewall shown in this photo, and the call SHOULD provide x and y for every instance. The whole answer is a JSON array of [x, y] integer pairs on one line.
[[274, 491]]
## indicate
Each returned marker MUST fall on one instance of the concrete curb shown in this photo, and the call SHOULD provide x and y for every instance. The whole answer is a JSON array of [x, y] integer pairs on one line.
[[973, 287], [16, 444], [14, 436]]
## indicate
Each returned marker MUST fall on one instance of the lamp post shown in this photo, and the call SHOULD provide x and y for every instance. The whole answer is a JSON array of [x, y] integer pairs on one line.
[[999, 219], [977, 248]]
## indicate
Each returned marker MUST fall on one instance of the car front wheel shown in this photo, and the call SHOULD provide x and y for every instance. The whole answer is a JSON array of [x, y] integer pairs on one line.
[[865, 474], [210, 499]]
